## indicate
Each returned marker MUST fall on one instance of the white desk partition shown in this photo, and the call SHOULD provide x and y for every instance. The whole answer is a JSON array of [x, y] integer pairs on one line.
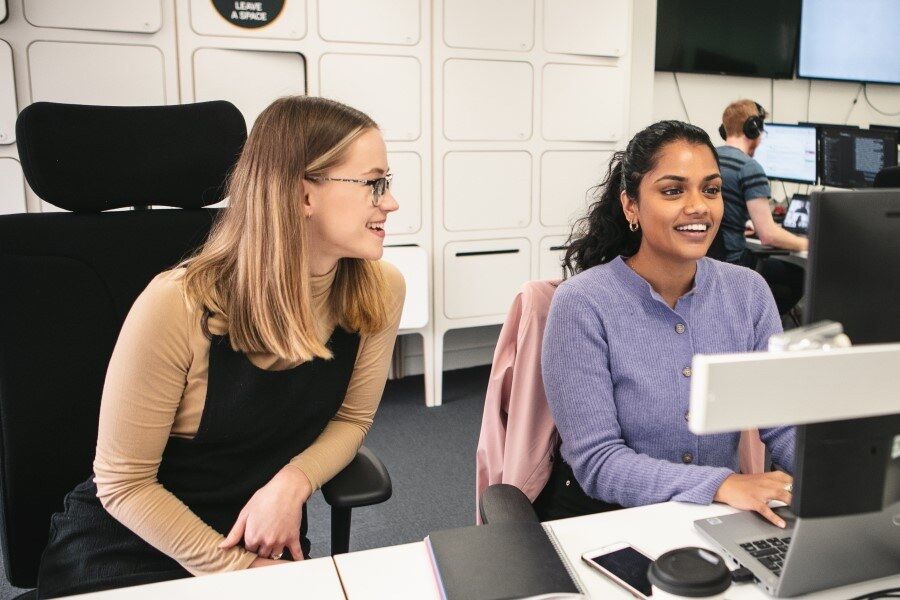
[[387, 88], [412, 261], [364, 21], [494, 25], [656, 529], [487, 99], [140, 16], [396, 572], [730, 392], [7, 96], [577, 105], [12, 187], [487, 190], [407, 190], [589, 27], [314, 578], [264, 77], [69, 72], [567, 182]]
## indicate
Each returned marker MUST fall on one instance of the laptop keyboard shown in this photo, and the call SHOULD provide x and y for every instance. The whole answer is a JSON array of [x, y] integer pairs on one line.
[[770, 552]]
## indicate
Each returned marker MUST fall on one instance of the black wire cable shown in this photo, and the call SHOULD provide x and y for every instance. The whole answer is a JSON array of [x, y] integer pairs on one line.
[[681, 97], [875, 108], [885, 593], [853, 104], [808, 98]]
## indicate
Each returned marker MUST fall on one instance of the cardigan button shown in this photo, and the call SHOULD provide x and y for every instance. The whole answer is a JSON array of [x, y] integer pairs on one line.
[[679, 328], [686, 371], [687, 458]]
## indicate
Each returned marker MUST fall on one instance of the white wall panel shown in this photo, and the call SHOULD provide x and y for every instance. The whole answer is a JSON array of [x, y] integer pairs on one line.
[[407, 189], [583, 103], [552, 252], [487, 190], [109, 74], [487, 100], [412, 262], [248, 79], [481, 278], [566, 178], [289, 24], [489, 24], [141, 16], [594, 27], [387, 88], [7, 96], [395, 22], [12, 187]]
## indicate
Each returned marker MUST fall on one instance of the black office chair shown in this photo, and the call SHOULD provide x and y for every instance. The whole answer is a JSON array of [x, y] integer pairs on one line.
[[504, 503], [69, 279], [888, 177]]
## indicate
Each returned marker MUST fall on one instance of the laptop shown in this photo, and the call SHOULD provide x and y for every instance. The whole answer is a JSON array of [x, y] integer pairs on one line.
[[810, 554], [796, 220]]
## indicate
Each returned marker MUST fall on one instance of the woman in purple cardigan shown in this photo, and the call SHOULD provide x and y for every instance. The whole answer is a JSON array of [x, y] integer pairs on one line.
[[621, 333]]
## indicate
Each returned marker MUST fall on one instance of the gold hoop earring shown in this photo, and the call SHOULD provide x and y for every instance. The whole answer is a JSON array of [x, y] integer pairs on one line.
[[633, 226]]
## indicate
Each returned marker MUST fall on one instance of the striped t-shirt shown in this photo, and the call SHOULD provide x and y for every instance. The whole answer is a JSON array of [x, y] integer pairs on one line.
[[742, 179]]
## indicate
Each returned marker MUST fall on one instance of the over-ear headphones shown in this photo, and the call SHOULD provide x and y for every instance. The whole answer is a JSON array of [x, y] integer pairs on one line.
[[753, 126]]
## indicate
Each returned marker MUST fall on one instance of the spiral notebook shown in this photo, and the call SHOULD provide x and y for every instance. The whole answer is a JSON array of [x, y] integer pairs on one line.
[[501, 561]]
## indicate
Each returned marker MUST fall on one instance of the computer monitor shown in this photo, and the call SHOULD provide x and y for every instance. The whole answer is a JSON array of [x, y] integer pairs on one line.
[[850, 158], [853, 277], [853, 41], [788, 152], [893, 128], [796, 220]]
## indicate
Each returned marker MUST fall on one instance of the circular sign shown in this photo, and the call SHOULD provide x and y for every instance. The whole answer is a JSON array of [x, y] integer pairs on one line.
[[249, 14]]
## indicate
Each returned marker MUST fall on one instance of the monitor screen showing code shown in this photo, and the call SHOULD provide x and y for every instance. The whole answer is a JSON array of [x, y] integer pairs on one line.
[[852, 157]]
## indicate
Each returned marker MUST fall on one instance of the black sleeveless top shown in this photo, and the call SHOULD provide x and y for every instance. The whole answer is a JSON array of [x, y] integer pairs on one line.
[[254, 422]]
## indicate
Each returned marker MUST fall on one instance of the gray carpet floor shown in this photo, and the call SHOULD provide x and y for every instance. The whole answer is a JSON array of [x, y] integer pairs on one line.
[[430, 454]]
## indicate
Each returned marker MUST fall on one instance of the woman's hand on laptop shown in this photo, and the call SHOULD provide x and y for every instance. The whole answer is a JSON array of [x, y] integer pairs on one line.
[[753, 492]]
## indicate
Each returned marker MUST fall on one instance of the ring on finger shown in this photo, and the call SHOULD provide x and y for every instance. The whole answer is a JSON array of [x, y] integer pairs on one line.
[[789, 488], [277, 555]]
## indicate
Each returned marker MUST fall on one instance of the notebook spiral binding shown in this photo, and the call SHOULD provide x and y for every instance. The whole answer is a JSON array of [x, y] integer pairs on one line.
[[570, 568]]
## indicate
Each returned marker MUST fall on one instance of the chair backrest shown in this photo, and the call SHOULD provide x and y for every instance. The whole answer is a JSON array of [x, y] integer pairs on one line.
[[889, 177], [67, 281]]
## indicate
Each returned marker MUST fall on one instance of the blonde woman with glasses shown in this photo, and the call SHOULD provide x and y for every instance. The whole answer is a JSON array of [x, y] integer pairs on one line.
[[247, 376]]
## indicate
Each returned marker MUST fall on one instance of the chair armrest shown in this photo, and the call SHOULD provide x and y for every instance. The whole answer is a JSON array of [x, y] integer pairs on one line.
[[504, 503], [363, 482]]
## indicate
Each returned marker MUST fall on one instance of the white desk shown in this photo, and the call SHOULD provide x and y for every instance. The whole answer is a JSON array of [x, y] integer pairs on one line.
[[315, 578], [795, 258], [656, 529], [404, 572], [396, 572]]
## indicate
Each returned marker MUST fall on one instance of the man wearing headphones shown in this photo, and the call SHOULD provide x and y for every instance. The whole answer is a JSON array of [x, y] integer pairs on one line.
[[746, 192]]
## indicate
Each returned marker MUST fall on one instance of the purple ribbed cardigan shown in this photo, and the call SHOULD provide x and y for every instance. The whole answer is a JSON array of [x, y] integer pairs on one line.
[[615, 362]]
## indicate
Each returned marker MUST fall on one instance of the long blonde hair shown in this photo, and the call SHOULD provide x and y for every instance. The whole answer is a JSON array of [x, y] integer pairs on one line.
[[254, 268]]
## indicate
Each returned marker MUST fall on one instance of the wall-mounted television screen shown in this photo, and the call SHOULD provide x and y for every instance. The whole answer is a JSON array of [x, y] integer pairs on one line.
[[728, 37], [853, 41]]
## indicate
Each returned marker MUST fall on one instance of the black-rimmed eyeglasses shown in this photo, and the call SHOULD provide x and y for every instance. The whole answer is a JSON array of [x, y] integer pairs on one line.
[[379, 186]]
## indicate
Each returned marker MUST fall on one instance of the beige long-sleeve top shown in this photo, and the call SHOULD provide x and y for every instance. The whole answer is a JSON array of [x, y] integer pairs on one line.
[[156, 387]]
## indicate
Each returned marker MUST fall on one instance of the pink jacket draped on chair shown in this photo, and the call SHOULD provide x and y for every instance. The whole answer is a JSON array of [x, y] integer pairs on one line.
[[518, 436]]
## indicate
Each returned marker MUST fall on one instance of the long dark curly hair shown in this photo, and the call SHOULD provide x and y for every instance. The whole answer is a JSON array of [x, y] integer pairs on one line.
[[603, 233]]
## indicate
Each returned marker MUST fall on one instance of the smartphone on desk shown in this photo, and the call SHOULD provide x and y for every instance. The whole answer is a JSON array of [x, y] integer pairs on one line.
[[624, 565]]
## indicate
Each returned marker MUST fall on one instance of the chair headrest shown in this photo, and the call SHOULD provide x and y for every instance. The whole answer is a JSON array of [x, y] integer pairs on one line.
[[95, 158]]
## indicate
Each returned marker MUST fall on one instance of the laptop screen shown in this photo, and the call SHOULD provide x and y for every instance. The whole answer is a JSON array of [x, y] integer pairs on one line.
[[797, 218]]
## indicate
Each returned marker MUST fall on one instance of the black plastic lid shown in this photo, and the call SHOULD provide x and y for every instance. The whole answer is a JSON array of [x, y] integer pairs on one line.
[[690, 572]]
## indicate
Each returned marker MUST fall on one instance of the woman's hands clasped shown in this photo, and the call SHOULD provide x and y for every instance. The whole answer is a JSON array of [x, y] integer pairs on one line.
[[269, 524], [753, 492]]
